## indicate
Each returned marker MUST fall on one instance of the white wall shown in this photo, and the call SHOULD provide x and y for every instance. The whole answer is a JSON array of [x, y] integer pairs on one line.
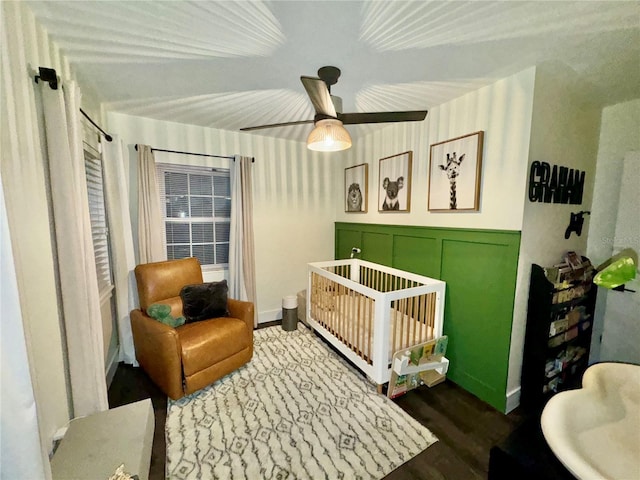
[[619, 134], [294, 196], [564, 132], [503, 111], [25, 47]]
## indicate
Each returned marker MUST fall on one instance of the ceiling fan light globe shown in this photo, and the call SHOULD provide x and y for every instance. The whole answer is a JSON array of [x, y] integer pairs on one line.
[[329, 135]]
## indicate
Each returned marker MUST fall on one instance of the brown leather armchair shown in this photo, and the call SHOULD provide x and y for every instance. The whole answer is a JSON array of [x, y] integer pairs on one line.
[[185, 359]]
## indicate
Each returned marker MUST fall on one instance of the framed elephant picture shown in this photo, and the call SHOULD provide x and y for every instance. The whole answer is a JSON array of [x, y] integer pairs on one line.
[[394, 183], [356, 179], [454, 174]]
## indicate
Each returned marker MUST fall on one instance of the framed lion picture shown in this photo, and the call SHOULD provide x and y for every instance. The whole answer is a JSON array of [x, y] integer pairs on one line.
[[355, 188]]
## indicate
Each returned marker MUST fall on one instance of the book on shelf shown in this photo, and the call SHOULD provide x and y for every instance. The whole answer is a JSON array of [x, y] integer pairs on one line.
[[570, 270], [573, 260]]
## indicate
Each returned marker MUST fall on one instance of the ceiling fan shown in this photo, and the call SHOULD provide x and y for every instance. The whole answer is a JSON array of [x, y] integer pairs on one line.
[[329, 133]]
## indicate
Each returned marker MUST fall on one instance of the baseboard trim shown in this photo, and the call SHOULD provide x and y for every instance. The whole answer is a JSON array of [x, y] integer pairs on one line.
[[112, 366], [513, 400], [270, 315]]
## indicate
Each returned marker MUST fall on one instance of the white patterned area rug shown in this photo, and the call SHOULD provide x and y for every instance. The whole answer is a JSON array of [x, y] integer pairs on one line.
[[296, 411]]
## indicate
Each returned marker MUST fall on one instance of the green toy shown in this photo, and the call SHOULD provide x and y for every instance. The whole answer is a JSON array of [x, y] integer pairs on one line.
[[618, 270], [162, 313]]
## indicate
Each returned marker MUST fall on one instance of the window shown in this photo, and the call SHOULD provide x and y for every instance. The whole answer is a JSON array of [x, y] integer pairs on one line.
[[98, 217], [196, 204]]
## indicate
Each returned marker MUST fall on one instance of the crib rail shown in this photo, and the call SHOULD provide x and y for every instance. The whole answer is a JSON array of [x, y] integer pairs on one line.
[[384, 281], [370, 275], [369, 311]]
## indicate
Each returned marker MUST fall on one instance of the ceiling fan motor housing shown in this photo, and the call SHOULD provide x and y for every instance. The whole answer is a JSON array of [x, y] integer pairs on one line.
[[329, 75]]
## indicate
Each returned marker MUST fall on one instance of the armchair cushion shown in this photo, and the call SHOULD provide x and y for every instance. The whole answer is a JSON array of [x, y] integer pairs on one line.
[[208, 342], [174, 302], [204, 301]]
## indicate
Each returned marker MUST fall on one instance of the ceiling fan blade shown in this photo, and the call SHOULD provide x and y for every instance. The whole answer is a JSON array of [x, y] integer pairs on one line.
[[319, 96], [382, 117], [286, 124]]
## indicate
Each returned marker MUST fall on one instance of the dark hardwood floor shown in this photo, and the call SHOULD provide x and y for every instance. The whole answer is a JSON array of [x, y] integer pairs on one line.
[[131, 384], [466, 427]]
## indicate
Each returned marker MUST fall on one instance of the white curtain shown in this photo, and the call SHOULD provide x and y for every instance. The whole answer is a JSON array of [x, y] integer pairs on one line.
[[151, 241], [76, 262], [20, 449], [121, 243], [242, 275]]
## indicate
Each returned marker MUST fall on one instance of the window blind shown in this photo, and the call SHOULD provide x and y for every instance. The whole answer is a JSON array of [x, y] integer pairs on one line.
[[196, 203], [98, 217]]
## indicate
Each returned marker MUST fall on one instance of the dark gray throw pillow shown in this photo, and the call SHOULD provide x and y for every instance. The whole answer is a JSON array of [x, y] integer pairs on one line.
[[204, 301]]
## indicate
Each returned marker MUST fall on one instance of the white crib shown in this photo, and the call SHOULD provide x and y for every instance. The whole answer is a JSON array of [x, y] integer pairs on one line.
[[368, 311]]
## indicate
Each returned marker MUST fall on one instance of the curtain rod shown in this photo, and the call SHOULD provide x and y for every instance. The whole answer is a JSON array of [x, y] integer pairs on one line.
[[107, 137], [50, 76], [191, 153]]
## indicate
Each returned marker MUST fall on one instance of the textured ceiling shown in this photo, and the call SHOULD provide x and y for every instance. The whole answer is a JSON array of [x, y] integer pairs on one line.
[[233, 64]]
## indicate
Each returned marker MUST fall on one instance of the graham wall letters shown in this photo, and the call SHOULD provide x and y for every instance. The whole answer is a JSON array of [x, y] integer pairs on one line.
[[555, 184]]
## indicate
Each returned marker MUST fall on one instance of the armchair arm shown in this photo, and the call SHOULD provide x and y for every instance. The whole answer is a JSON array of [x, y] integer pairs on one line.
[[242, 310], [158, 351]]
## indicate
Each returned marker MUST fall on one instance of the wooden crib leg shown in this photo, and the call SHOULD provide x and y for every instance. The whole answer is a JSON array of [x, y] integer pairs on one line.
[[379, 388]]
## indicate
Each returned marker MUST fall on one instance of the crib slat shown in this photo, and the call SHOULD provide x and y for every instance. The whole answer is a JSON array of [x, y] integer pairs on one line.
[[432, 313], [324, 305], [359, 313], [323, 296], [405, 320], [356, 317], [409, 321], [370, 331], [403, 324], [415, 319], [344, 319], [350, 318], [433, 310], [330, 305], [336, 312], [340, 312], [425, 316]]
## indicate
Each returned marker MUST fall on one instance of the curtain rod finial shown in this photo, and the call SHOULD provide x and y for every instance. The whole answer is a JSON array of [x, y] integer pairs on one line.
[[48, 75]]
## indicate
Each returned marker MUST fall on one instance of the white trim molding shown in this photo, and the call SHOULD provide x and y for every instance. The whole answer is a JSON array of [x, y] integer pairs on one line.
[[513, 400]]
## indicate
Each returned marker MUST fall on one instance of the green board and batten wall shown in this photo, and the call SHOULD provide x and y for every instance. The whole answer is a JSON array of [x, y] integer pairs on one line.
[[479, 267]]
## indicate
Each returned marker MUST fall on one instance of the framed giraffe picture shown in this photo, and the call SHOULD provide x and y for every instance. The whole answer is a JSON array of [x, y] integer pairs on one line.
[[454, 174]]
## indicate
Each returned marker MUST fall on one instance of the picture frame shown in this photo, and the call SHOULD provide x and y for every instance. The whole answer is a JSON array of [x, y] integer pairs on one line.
[[356, 188], [455, 168], [394, 183]]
